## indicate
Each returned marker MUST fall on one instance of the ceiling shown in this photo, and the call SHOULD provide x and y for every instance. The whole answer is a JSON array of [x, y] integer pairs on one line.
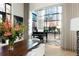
[[37, 6]]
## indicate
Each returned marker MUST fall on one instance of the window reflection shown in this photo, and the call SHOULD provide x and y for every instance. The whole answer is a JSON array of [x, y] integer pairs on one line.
[[0, 18], [8, 8], [8, 17], [2, 7]]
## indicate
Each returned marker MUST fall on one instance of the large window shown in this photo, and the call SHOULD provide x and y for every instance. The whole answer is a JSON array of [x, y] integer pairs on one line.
[[34, 20], [2, 7], [53, 13], [5, 11], [8, 11], [52, 17]]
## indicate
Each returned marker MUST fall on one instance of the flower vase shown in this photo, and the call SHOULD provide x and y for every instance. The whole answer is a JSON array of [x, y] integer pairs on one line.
[[11, 46]]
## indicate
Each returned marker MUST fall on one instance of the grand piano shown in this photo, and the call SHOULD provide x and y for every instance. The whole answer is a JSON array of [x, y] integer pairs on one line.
[[40, 35]]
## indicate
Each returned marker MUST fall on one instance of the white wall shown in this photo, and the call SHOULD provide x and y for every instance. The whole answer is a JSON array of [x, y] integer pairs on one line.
[[18, 9]]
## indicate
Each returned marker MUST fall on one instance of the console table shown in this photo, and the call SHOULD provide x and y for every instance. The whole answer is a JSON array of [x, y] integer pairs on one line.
[[20, 49]]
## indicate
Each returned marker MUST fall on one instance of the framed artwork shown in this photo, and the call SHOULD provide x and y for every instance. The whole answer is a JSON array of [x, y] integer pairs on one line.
[[18, 19]]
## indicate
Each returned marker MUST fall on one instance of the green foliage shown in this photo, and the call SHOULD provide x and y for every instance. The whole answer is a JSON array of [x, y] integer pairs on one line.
[[14, 35]]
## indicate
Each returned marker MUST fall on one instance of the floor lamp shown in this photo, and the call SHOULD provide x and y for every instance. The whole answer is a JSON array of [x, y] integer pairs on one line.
[[74, 26]]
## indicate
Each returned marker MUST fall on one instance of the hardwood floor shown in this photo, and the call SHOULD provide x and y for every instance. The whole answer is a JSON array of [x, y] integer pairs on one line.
[[52, 50], [53, 47]]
